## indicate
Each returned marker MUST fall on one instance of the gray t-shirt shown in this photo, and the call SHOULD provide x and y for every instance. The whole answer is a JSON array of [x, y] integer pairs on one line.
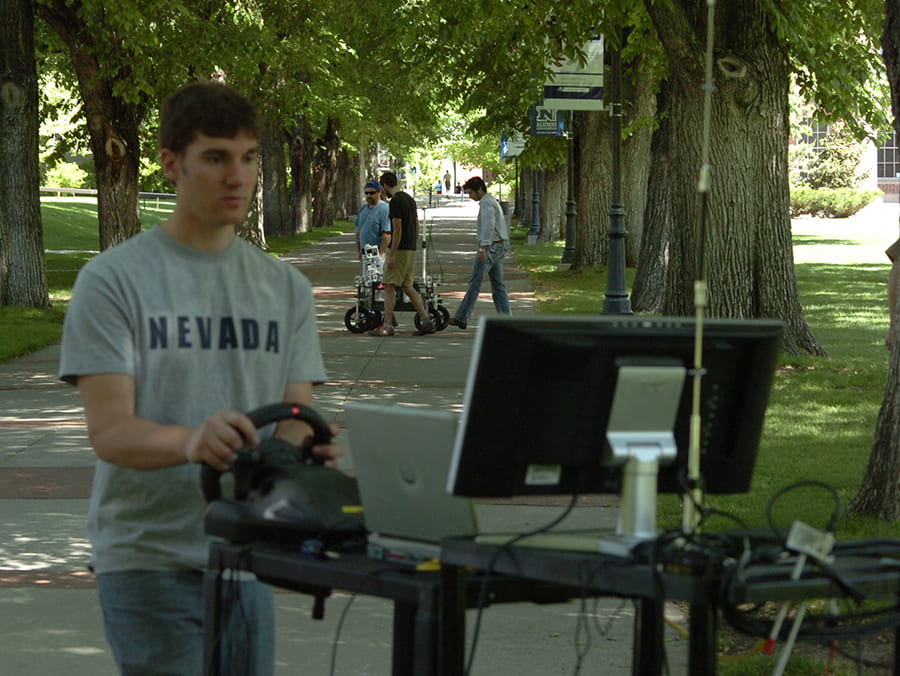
[[199, 332]]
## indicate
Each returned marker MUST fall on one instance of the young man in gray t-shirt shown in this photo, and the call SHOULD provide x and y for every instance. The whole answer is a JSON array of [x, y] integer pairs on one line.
[[170, 337]]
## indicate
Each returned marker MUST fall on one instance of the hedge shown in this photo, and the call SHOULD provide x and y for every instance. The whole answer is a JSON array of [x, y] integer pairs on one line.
[[831, 203]]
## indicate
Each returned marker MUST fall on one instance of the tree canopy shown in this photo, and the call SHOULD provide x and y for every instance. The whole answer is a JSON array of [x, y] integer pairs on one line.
[[414, 75]]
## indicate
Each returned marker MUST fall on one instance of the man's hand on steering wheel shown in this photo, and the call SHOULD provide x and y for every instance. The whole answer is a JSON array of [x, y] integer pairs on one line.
[[219, 437], [330, 452], [215, 442]]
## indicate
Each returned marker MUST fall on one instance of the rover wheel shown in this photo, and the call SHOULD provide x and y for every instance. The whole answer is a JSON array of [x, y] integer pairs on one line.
[[442, 319], [356, 322], [436, 317], [374, 317]]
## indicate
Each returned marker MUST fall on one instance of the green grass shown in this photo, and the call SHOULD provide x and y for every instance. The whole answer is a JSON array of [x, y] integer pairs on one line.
[[821, 417], [70, 240], [822, 412], [70, 223], [579, 291], [278, 246], [23, 330]]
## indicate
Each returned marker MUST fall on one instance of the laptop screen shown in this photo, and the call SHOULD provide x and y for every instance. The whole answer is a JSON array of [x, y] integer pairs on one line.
[[401, 458]]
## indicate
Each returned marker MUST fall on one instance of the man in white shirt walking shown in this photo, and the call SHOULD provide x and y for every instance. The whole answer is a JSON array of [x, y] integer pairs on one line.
[[493, 243]]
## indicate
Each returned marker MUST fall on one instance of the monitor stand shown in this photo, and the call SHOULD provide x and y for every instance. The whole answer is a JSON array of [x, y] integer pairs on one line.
[[641, 437], [637, 509]]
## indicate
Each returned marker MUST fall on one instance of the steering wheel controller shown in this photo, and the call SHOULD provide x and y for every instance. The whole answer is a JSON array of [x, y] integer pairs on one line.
[[247, 459]]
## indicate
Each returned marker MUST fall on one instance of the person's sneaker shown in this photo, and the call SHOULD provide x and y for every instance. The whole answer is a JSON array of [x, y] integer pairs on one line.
[[424, 329], [455, 322], [394, 322]]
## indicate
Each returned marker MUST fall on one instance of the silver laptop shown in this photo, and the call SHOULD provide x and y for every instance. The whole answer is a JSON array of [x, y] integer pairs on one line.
[[401, 458]]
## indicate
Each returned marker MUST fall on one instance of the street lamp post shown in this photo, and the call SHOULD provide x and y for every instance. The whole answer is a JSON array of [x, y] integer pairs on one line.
[[535, 212], [518, 190], [617, 301], [569, 250]]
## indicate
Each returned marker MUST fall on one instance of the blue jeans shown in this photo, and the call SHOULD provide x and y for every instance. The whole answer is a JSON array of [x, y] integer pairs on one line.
[[154, 624], [493, 266]]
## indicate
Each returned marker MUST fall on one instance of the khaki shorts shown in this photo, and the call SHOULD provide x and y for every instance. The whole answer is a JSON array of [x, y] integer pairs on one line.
[[402, 272]]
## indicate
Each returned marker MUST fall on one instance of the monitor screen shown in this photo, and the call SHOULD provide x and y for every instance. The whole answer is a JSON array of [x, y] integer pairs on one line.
[[540, 393]]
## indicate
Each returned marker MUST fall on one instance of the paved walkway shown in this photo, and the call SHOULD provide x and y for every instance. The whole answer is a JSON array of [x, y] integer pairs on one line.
[[49, 616]]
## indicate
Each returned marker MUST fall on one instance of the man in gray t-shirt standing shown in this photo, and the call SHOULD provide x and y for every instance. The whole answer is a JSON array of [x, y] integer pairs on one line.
[[170, 337]]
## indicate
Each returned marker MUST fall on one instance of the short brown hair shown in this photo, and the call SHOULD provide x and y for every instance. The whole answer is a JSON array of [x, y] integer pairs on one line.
[[388, 178], [208, 107], [475, 183]]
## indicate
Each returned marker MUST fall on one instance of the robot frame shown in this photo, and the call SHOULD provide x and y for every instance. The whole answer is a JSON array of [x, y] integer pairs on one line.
[[366, 313]]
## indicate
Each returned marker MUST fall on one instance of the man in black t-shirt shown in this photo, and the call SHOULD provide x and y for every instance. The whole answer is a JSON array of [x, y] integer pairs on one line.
[[400, 258]]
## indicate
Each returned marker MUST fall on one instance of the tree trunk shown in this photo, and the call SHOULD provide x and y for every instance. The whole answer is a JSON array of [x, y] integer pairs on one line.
[[301, 171], [276, 200], [748, 248], [878, 495], [594, 152], [592, 129], [348, 189], [553, 204], [253, 226], [639, 104], [370, 162], [115, 141], [649, 291], [325, 174], [113, 125], [23, 278]]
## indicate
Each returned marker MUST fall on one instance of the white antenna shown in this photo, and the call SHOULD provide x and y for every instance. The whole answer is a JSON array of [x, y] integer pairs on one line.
[[694, 498]]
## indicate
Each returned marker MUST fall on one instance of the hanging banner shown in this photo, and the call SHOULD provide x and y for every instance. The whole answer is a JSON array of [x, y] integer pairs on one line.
[[573, 86], [546, 122], [511, 147]]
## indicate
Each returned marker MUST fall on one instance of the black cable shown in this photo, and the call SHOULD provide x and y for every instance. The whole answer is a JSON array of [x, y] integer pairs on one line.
[[861, 661], [581, 624], [881, 547], [505, 548], [831, 527], [217, 643], [237, 602], [816, 628], [590, 570], [340, 625], [231, 591], [858, 628]]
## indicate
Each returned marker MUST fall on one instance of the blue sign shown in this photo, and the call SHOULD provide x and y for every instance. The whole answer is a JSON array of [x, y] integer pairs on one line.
[[547, 122], [511, 147]]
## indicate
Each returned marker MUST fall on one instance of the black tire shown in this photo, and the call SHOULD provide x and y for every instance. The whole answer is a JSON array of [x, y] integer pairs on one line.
[[356, 322], [374, 322], [436, 318], [443, 318]]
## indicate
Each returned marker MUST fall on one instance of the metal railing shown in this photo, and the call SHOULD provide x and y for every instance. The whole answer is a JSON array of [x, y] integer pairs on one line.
[[153, 197]]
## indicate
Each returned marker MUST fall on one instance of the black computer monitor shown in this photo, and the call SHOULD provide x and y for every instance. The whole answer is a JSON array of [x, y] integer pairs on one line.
[[541, 403]]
